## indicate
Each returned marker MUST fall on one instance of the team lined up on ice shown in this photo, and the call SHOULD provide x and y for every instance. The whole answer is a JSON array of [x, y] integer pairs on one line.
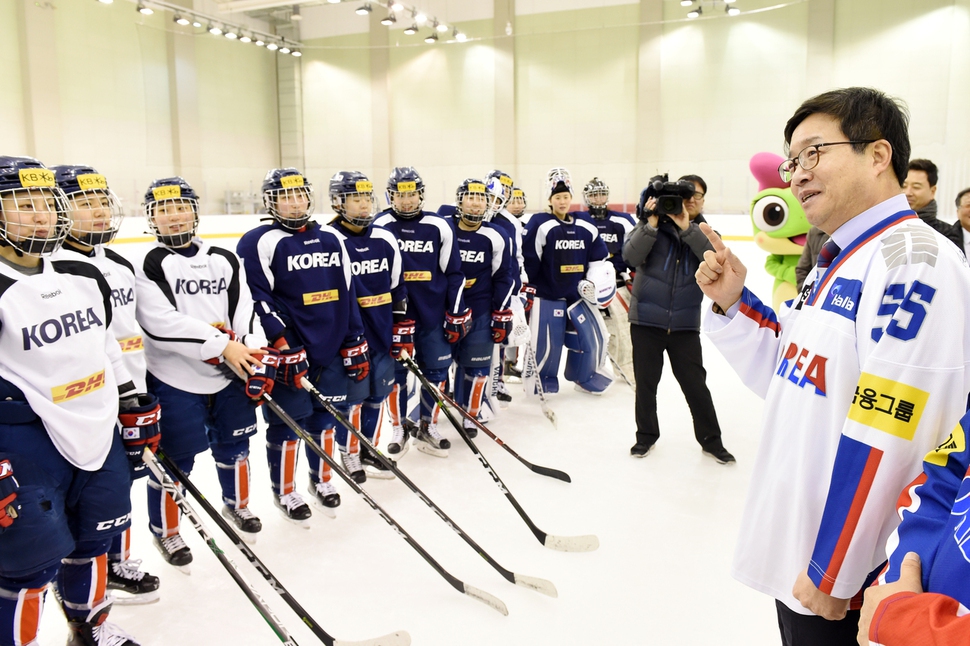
[[191, 335]]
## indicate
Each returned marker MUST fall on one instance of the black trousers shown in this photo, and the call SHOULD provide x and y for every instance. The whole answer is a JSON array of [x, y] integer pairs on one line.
[[684, 350], [812, 630]]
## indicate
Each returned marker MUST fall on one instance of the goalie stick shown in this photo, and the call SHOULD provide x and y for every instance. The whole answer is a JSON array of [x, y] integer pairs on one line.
[[585, 543], [399, 638], [620, 370], [533, 583], [531, 369], [172, 489], [456, 583]]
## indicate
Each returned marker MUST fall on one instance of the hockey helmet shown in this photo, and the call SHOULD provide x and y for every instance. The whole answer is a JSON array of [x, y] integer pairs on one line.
[[558, 180], [172, 199], [353, 184], [288, 197], [96, 211], [475, 202], [596, 188], [404, 181], [28, 193], [517, 202]]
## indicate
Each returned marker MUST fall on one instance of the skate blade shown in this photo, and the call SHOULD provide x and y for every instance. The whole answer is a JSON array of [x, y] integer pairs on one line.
[[400, 454], [378, 474], [329, 512], [512, 379], [122, 598], [305, 523], [424, 447], [249, 538]]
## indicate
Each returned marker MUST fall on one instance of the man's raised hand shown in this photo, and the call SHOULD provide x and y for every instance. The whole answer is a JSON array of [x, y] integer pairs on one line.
[[721, 274]]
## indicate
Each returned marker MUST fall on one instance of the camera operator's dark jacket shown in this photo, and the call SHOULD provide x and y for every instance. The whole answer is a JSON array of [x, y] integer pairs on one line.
[[665, 293]]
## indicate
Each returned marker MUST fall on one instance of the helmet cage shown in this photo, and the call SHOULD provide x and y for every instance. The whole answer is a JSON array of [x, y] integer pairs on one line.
[[517, 199], [474, 187], [338, 200], [86, 231], [172, 240], [11, 216], [271, 200], [556, 175], [404, 188]]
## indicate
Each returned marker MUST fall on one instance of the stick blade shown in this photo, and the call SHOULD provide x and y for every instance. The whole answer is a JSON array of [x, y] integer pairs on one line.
[[551, 473], [486, 598], [586, 543], [539, 585], [550, 415], [398, 638]]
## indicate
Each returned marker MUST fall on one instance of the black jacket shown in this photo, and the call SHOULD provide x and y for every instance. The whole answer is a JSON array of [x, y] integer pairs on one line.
[[665, 293]]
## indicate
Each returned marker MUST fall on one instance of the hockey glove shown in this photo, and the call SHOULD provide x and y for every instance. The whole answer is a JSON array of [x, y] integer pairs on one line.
[[8, 494], [587, 290], [457, 325], [356, 358], [402, 338], [293, 366], [501, 325], [529, 292], [138, 420], [264, 376]]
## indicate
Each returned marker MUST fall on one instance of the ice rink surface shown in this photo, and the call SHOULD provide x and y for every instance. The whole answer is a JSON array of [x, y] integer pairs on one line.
[[667, 526]]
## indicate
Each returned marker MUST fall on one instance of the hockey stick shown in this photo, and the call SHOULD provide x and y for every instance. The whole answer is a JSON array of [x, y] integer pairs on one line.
[[620, 370], [532, 368], [586, 543], [545, 471], [172, 489], [539, 585], [457, 584], [400, 638]]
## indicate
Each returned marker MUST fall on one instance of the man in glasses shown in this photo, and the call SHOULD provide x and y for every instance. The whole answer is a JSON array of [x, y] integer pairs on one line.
[[862, 375]]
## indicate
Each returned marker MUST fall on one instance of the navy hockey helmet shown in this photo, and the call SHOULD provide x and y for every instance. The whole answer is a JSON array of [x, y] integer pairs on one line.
[[288, 197], [405, 182], [353, 184], [96, 212], [474, 201], [500, 184], [34, 213], [168, 203], [517, 202], [596, 195]]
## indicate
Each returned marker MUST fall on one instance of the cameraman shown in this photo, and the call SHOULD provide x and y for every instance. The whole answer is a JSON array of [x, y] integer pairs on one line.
[[666, 249]]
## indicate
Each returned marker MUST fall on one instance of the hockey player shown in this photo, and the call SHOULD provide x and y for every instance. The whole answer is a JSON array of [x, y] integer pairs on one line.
[[489, 285], [382, 297], [197, 313], [432, 272], [300, 276], [517, 204], [64, 477], [566, 262], [96, 216]]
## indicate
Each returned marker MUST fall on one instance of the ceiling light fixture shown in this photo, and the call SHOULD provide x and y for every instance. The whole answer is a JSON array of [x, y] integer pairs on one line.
[[440, 26], [145, 11], [364, 9], [732, 11], [431, 38], [694, 13], [389, 20], [214, 30], [420, 19], [272, 47], [180, 19], [196, 23], [245, 39], [460, 37], [284, 49], [397, 6], [686, 3], [297, 53], [410, 31], [231, 35], [259, 42], [106, 1], [295, 15]]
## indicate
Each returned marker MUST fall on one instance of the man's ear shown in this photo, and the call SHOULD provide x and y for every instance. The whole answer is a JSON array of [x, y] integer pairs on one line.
[[882, 156]]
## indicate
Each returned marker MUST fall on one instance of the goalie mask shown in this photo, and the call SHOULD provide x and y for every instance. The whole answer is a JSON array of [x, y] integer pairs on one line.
[[405, 192], [172, 211], [474, 201], [596, 196], [558, 181], [499, 184], [34, 212], [96, 212], [288, 197], [352, 198]]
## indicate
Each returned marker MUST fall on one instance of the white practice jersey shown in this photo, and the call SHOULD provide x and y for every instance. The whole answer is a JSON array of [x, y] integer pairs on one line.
[[180, 301], [120, 275], [863, 374], [56, 345]]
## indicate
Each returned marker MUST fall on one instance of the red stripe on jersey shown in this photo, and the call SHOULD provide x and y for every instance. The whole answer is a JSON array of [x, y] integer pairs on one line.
[[758, 318], [851, 520]]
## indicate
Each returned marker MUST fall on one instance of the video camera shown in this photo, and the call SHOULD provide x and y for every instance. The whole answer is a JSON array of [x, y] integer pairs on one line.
[[670, 196]]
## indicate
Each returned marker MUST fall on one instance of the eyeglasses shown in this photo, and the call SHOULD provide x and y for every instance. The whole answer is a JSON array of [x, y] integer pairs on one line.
[[697, 196], [808, 158]]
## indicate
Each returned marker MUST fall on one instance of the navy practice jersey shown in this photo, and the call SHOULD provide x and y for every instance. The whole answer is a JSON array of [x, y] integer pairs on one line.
[[557, 254], [511, 227], [303, 287], [375, 261], [613, 230], [432, 266], [487, 266]]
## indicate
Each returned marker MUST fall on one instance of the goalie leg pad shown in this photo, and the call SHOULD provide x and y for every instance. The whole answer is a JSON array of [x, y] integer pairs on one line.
[[232, 467], [548, 328], [587, 363]]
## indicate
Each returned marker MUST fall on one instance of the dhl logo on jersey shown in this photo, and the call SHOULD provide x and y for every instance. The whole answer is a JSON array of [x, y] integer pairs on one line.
[[417, 276], [315, 298], [889, 406], [166, 192], [131, 344], [956, 443], [77, 388], [469, 282], [36, 177], [92, 181], [801, 366], [570, 269], [292, 181], [374, 301]]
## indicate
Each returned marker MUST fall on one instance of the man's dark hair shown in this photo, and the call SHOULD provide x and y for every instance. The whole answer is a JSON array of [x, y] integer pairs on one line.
[[961, 194], [697, 180], [863, 114], [928, 167]]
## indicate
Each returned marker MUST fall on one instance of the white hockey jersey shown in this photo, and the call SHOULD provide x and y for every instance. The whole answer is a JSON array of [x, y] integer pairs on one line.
[[862, 375], [57, 347], [120, 275], [180, 300]]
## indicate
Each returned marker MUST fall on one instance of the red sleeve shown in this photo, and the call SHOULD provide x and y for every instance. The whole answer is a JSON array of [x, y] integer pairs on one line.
[[926, 619]]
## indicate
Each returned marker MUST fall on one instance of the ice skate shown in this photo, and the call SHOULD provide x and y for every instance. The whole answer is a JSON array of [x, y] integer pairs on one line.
[[325, 497], [245, 521], [175, 552], [95, 630], [130, 586], [502, 394], [353, 467], [294, 509], [429, 441], [470, 428], [399, 445], [373, 467]]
